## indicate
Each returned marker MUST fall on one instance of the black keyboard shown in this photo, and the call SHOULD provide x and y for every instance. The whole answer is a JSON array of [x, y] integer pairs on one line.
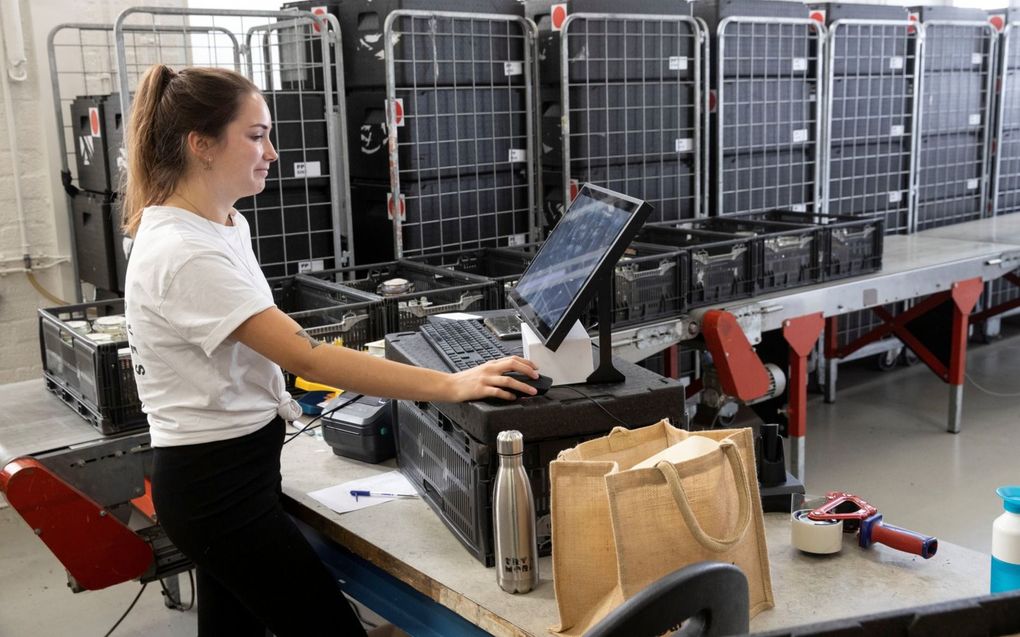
[[463, 344]]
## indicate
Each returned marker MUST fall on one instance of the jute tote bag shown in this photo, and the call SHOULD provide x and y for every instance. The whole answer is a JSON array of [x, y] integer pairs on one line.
[[635, 505]]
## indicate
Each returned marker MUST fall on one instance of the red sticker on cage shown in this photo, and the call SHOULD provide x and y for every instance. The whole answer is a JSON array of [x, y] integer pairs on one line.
[[559, 16], [94, 121], [319, 11], [818, 16]]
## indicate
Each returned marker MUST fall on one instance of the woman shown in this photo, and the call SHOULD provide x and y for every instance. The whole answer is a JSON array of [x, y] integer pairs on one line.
[[207, 344]]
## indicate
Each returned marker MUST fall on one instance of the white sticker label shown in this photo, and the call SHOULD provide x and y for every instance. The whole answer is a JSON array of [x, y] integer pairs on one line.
[[896, 62], [895, 196], [518, 155], [800, 135], [976, 58], [896, 130], [315, 265], [799, 207], [799, 64], [307, 169], [513, 68], [972, 184], [974, 119], [678, 63], [684, 145], [517, 239]]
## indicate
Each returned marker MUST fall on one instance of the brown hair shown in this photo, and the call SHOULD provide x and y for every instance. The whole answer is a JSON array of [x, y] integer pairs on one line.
[[167, 106]]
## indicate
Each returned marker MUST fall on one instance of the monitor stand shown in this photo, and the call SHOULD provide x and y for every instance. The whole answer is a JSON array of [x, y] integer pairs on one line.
[[605, 372], [572, 362]]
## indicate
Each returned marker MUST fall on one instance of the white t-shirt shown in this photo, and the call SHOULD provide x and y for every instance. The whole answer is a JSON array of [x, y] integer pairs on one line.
[[190, 284]]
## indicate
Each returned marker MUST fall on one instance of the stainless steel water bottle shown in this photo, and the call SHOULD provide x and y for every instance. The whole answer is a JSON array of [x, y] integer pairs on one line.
[[513, 518]]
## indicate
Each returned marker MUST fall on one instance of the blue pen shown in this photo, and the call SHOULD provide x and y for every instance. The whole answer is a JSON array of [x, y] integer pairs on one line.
[[378, 494]]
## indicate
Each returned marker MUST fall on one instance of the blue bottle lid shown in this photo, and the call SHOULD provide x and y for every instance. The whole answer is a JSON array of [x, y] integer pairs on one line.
[[1010, 498]]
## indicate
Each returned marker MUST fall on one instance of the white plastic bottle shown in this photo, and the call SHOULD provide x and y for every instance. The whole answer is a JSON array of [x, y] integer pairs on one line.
[[1006, 542]]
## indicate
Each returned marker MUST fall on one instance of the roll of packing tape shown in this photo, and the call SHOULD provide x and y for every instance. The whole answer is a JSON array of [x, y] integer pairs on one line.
[[812, 536]]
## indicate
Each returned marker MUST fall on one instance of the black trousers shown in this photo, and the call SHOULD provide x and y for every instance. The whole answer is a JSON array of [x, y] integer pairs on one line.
[[219, 503]]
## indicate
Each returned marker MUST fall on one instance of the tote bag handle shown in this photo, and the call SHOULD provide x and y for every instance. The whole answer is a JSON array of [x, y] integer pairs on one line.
[[672, 476]]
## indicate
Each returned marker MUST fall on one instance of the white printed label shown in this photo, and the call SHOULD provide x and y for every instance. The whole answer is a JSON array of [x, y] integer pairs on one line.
[[518, 155], [799, 64], [800, 135], [513, 68], [307, 169], [678, 63], [976, 58], [799, 207], [896, 62], [896, 130], [972, 184], [517, 239], [315, 265], [974, 119], [684, 145], [895, 196]]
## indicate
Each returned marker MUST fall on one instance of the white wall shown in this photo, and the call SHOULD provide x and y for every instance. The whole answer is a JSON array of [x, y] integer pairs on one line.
[[38, 165]]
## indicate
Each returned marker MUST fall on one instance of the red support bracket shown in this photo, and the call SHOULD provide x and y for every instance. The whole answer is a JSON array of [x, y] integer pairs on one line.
[[1002, 308], [741, 373], [922, 328], [801, 334], [96, 548]]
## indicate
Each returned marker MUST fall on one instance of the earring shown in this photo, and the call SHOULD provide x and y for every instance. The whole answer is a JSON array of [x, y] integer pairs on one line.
[[208, 163]]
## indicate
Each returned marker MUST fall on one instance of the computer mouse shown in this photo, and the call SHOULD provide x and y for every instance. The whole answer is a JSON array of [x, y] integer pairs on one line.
[[542, 383]]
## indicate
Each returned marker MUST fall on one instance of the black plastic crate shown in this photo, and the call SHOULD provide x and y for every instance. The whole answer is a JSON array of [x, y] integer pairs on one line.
[[88, 126], [299, 136], [414, 291], [291, 228], [330, 311], [869, 178], [95, 379], [614, 48], [949, 167], [718, 267], [776, 49], [667, 185], [465, 211], [619, 123], [455, 475], [373, 228], [870, 108], [768, 180], [657, 362], [848, 245], [789, 254], [954, 47], [768, 112], [954, 102], [502, 265], [445, 131], [890, 47], [94, 239], [113, 130], [361, 33]]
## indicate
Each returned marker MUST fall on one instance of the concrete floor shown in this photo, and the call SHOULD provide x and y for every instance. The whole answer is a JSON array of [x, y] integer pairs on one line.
[[884, 439]]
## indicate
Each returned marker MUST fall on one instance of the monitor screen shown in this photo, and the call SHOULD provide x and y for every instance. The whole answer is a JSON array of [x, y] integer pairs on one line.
[[578, 256]]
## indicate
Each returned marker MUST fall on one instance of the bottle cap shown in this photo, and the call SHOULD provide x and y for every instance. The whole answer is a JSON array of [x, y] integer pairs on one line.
[[1010, 498], [509, 443]]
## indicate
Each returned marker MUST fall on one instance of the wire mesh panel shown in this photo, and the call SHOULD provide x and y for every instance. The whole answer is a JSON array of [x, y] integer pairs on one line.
[[300, 222], [956, 90], [872, 70], [631, 93], [1006, 192], [460, 130], [768, 131]]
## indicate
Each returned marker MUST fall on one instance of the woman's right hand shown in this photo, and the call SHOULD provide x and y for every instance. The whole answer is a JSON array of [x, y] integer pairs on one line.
[[487, 380]]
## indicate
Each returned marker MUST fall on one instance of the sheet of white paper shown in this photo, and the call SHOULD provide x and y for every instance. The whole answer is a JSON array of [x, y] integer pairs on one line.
[[458, 316], [339, 497]]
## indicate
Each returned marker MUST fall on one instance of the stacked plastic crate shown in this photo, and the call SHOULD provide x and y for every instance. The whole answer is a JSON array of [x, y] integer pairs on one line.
[[621, 102], [450, 159], [871, 73], [97, 133], [767, 124], [956, 94], [1005, 153]]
